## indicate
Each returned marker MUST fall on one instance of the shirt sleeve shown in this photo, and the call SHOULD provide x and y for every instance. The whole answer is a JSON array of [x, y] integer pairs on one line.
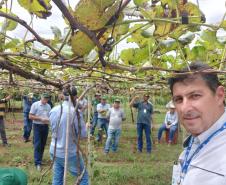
[[176, 119], [136, 104], [98, 107], [53, 118], [33, 109], [165, 121]]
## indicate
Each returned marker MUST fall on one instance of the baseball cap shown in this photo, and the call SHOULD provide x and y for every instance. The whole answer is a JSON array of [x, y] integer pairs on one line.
[[103, 97], [12, 176], [45, 95], [117, 100], [146, 94]]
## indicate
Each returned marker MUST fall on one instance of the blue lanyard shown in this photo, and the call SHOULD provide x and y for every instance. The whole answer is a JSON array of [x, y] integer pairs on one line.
[[187, 161]]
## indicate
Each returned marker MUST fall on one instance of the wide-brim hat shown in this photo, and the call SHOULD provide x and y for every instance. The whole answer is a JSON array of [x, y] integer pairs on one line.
[[15, 176], [30, 95], [170, 105], [97, 94]]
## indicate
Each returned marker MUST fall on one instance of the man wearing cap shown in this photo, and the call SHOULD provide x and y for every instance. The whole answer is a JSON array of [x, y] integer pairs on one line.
[[170, 123], [95, 102], [39, 114], [12, 176], [116, 116], [58, 120], [27, 102], [144, 118], [102, 121], [2, 124]]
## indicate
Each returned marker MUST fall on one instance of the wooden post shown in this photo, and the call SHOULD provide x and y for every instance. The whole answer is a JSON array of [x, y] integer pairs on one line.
[[67, 139], [89, 142]]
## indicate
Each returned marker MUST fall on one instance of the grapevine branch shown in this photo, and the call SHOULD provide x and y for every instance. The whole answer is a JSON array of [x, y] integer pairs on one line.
[[4, 64], [23, 23]]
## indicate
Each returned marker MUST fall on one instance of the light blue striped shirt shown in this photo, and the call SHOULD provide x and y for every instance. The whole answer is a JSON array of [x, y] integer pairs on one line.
[[61, 135]]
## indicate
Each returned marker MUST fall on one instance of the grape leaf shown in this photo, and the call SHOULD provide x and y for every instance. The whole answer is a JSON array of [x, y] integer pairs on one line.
[[41, 8], [8, 25]]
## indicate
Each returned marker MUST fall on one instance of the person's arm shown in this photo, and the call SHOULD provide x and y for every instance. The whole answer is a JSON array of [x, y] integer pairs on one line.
[[99, 109], [4, 100], [108, 114], [54, 118], [38, 118], [123, 116], [131, 104], [165, 121], [176, 119]]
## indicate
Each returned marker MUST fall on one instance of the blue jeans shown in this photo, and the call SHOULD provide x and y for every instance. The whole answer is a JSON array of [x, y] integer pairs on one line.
[[172, 131], [27, 126], [102, 124], [147, 130], [94, 123], [40, 138], [58, 170], [112, 140]]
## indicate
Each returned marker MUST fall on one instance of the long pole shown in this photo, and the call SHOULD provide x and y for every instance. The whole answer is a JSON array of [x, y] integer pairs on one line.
[[67, 143], [89, 142]]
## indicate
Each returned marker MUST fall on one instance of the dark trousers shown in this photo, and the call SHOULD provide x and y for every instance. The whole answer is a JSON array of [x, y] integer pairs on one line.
[[147, 130], [94, 123], [2, 130], [40, 137], [27, 126]]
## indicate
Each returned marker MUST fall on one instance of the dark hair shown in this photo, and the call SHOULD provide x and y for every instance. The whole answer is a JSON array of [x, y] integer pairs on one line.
[[197, 69], [70, 90]]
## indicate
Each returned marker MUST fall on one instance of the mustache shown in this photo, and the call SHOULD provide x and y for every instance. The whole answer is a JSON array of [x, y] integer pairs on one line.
[[190, 115]]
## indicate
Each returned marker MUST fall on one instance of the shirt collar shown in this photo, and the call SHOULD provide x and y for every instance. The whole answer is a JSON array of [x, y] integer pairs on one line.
[[202, 137]]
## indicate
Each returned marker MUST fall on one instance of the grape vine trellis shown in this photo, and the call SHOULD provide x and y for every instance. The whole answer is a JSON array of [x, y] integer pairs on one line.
[[162, 30]]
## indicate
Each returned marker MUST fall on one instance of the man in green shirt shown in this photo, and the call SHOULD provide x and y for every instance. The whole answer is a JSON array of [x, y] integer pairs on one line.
[[145, 111]]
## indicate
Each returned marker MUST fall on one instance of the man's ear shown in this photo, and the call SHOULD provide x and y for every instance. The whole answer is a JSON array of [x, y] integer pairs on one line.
[[220, 94]]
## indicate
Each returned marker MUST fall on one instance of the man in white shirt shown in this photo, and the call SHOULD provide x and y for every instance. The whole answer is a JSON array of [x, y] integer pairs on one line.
[[102, 121], [199, 100], [170, 123], [115, 115], [39, 114]]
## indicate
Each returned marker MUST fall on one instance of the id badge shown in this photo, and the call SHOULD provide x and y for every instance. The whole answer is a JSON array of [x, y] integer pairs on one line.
[[145, 111], [176, 175]]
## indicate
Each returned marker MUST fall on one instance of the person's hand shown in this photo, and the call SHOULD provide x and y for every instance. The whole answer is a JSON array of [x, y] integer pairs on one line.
[[88, 125], [45, 120], [167, 126]]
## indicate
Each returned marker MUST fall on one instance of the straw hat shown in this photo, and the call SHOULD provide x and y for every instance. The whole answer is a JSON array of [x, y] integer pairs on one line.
[[170, 105]]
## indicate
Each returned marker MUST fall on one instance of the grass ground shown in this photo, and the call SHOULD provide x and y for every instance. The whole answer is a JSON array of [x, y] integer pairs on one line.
[[126, 167]]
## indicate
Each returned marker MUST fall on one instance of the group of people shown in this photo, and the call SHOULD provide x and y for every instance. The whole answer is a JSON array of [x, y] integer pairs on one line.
[[198, 103]]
